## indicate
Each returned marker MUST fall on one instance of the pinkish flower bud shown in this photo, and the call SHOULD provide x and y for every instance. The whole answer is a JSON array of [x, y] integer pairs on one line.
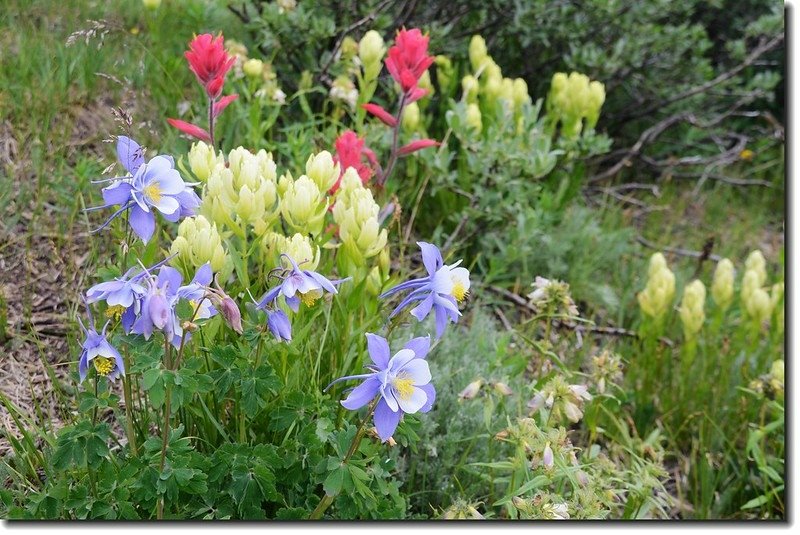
[[230, 312], [223, 103], [414, 146], [190, 129], [503, 389], [536, 403], [385, 117], [471, 390]]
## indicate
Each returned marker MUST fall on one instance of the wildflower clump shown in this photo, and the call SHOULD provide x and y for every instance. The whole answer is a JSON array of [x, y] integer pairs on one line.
[[722, 285], [199, 242], [574, 102], [562, 399], [692, 308], [356, 213], [756, 299], [656, 298]]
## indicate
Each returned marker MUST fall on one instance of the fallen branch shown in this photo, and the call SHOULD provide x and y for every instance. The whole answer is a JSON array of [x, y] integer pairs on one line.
[[678, 251], [580, 328]]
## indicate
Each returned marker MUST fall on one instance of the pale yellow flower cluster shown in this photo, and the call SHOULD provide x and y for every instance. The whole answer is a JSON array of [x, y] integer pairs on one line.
[[656, 298], [575, 102], [486, 87], [243, 199]]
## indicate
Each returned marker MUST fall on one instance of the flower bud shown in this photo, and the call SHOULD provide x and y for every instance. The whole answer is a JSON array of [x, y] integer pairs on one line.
[[444, 71], [371, 48], [253, 68], [470, 87], [473, 119], [502, 389], [227, 307], [537, 402], [750, 282], [471, 390], [756, 262], [595, 98], [722, 285], [303, 206], [691, 309], [520, 93], [203, 160], [657, 263], [151, 4], [411, 117], [301, 250], [245, 207], [759, 305], [321, 169], [477, 52], [547, 457]]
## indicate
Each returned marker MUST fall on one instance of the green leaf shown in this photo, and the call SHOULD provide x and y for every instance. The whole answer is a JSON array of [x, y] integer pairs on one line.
[[335, 480]]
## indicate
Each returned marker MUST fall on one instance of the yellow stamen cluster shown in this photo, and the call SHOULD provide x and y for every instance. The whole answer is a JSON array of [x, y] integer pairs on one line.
[[103, 365], [153, 192], [404, 386], [309, 298], [459, 291], [115, 312]]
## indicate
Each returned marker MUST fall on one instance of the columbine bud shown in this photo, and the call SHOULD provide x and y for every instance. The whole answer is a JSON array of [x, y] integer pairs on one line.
[[477, 52], [471, 390], [230, 312], [321, 169], [253, 68], [691, 310], [756, 262], [411, 117], [371, 48], [722, 286], [203, 160], [503, 389], [189, 326], [473, 119]]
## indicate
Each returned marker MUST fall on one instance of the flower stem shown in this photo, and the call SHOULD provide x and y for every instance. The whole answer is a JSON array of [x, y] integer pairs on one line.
[[211, 122], [327, 500], [165, 427], [395, 142]]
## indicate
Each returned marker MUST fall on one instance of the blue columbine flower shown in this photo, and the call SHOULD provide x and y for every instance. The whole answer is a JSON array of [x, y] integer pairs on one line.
[[155, 185], [158, 308], [100, 353], [442, 290], [123, 295], [402, 383], [279, 325], [296, 285]]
